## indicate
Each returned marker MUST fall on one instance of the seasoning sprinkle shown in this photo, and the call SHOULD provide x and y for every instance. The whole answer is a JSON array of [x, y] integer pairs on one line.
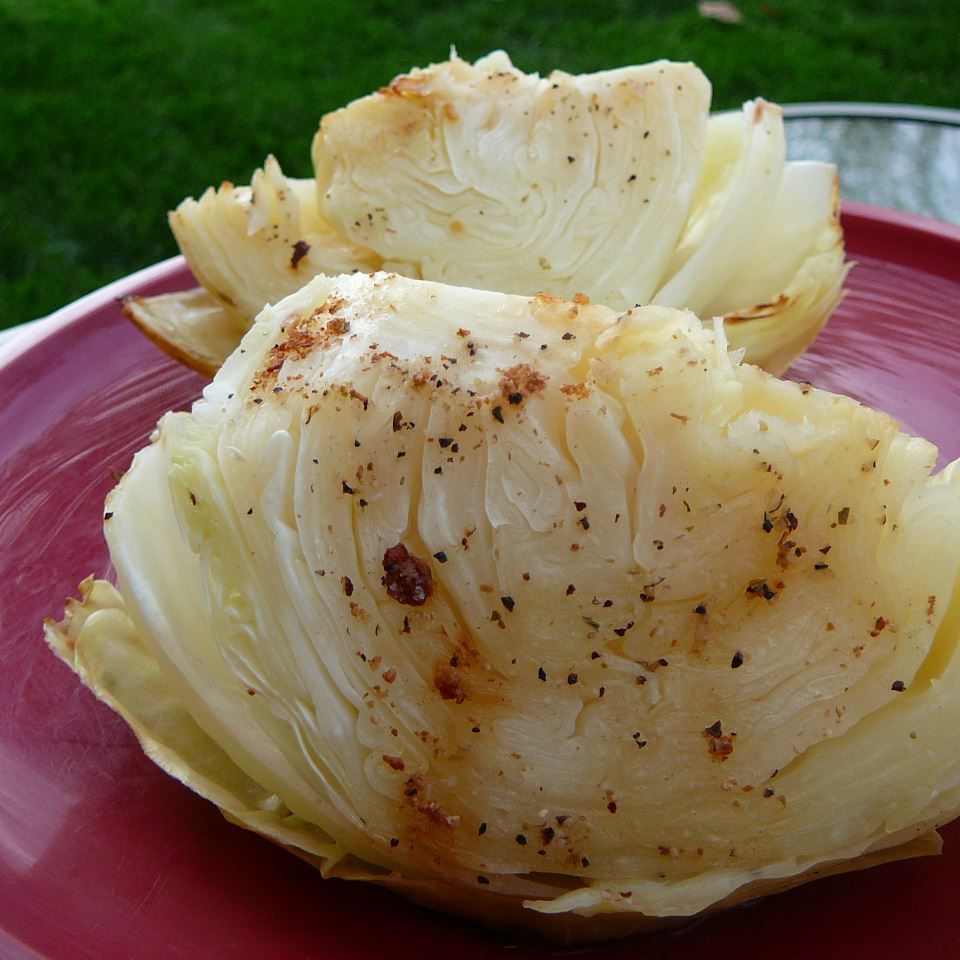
[[407, 578]]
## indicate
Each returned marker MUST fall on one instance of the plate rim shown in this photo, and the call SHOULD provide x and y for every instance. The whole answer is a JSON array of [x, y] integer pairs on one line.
[[899, 219], [35, 331]]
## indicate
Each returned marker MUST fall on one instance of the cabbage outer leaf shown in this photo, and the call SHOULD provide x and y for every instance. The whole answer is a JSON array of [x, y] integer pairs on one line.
[[248, 246]]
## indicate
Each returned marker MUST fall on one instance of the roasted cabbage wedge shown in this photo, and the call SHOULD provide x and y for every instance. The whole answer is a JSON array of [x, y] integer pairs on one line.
[[543, 613], [617, 184]]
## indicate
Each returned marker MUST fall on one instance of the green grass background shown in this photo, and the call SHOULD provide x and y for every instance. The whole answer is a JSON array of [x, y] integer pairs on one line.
[[112, 111]]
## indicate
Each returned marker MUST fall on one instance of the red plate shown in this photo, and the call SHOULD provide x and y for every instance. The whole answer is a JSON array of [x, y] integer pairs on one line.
[[102, 856]]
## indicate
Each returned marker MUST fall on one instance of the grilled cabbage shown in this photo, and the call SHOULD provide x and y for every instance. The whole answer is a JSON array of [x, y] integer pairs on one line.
[[537, 611], [617, 184]]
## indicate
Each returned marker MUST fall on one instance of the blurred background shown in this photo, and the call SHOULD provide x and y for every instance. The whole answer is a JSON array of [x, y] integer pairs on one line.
[[113, 110]]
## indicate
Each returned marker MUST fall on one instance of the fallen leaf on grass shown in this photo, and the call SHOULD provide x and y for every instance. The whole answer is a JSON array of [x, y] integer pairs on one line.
[[719, 10]]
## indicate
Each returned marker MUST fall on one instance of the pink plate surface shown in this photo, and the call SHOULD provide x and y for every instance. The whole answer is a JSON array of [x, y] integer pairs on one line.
[[102, 856]]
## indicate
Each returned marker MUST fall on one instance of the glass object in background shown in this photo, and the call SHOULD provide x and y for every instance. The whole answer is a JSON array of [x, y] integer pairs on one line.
[[890, 155]]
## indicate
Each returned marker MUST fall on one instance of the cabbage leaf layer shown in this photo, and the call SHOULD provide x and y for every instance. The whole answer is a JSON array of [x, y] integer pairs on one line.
[[515, 601]]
